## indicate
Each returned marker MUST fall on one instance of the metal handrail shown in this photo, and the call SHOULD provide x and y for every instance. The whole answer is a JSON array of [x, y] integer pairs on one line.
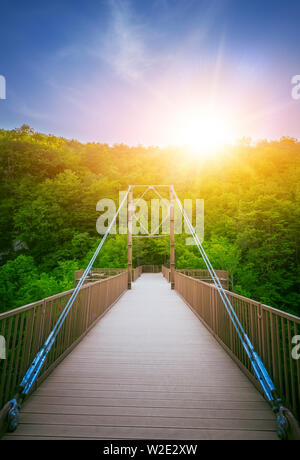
[[270, 330], [26, 328]]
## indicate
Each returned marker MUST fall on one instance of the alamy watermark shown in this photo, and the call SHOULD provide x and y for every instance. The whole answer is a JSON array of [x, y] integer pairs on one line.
[[2, 87], [296, 348], [151, 217], [296, 87], [2, 347]]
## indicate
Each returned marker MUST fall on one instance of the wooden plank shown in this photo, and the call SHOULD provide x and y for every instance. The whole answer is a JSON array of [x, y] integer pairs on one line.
[[100, 432], [146, 421], [138, 386], [205, 393], [181, 379], [253, 414], [134, 402]]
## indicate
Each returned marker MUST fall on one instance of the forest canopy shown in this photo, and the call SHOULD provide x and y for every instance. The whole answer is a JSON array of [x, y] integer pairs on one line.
[[50, 187]]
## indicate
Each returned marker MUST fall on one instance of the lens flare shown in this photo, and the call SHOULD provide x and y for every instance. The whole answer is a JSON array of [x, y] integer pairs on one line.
[[204, 130]]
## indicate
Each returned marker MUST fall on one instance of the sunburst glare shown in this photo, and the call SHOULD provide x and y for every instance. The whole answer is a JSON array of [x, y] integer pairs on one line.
[[201, 130]]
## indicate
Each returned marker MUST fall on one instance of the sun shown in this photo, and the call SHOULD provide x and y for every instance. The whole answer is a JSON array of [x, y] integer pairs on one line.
[[203, 130]]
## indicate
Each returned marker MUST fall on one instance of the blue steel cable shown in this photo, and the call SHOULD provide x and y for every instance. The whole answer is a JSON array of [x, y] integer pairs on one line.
[[258, 366], [40, 358], [256, 362]]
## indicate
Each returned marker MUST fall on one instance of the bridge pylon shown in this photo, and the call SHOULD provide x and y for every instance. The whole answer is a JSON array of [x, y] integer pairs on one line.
[[129, 232], [131, 209]]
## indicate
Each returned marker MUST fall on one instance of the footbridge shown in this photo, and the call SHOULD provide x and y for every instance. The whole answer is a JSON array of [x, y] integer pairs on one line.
[[149, 353]]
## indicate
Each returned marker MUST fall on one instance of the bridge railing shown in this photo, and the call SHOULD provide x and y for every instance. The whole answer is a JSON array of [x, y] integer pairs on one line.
[[102, 273], [270, 330], [25, 329], [201, 274], [98, 273], [136, 273], [166, 273], [204, 275], [151, 268]]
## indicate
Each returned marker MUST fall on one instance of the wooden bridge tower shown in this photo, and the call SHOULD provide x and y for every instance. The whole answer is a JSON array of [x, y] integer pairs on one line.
[[149, 235]]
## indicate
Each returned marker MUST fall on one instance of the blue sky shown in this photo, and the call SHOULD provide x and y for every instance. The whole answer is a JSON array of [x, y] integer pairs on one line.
[[137, 71]]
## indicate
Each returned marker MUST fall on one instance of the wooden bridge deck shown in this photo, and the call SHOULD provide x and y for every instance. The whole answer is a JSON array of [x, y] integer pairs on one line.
[[148, 370]]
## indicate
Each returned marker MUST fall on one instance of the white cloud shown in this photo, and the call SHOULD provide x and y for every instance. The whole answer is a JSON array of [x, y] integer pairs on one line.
[[124, 46]]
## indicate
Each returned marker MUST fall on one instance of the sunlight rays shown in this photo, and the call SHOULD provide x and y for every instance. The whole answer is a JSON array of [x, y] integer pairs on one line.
[[201, 130]]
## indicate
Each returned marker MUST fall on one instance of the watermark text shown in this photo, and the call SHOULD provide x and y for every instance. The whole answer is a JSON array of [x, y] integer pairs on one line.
[[2, 347], [151, 217], [2, 87], [296, 348], [296, 87]]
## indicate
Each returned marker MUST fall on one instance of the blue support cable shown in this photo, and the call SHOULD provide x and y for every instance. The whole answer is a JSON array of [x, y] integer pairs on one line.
[[256, 362], [41, 356]]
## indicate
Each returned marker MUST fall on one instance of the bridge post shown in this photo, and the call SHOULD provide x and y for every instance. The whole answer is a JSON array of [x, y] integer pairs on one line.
[[172, 241], [129, 232]]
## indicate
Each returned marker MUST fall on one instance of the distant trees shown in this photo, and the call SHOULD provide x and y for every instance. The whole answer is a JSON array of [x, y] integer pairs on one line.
[[20, 283], [50, 186]]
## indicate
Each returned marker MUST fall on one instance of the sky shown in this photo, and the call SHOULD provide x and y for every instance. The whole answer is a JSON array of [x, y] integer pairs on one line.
[[155, 72]]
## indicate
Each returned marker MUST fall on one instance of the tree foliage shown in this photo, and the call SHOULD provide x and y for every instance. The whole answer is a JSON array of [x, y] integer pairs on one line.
[[49, 190]]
